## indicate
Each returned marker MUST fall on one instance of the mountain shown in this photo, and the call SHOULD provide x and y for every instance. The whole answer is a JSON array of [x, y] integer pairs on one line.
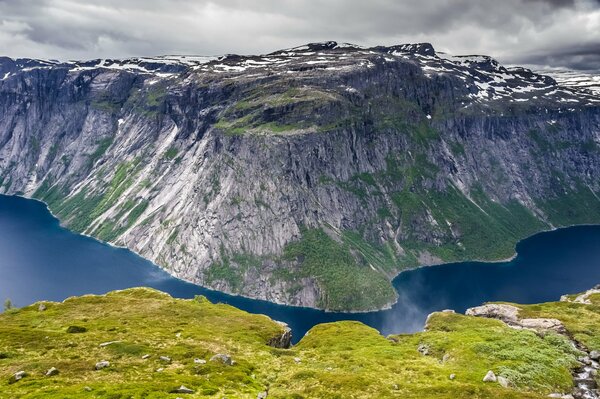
[[583, 80], [309, 176], [104, 347]]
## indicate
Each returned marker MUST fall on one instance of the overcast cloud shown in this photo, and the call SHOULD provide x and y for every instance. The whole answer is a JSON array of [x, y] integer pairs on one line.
[[557, 33]]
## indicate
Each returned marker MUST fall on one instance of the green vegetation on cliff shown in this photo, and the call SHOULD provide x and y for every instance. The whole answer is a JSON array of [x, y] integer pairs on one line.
[[335, 360]]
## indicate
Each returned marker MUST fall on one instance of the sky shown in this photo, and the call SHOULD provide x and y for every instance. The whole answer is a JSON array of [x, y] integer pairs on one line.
[[550, 33]]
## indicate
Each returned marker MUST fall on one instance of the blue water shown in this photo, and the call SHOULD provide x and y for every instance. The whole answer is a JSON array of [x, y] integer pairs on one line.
[[40, 260]]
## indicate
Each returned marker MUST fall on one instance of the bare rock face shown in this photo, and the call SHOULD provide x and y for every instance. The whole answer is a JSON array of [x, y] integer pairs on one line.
[[284, 340], [259, 175]]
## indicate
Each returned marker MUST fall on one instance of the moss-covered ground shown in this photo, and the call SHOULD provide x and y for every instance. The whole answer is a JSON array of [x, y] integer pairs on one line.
[[336, 360]]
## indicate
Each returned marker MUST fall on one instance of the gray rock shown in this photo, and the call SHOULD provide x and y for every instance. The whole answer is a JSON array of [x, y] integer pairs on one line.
[[223, 358], [262, 395], [199, 361], [105, 344], [165, 359], [543, 325], [297, 360], [183, 389], [490, 377], [452, 376], [423, 349], [503, 381], [102, 364], [506, 313], [19, 375], [87, 389], [146, 356], [42, 307], [52, 371], [510, 315], [585, 360], [595, 355]]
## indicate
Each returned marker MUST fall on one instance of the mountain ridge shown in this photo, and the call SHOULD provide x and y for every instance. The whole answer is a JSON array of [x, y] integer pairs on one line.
[[309, 176]]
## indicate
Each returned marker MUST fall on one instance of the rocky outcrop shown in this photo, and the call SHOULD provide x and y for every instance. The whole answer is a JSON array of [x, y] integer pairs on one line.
[[509, 314], [581, 298], [283, 340], [309, 176]]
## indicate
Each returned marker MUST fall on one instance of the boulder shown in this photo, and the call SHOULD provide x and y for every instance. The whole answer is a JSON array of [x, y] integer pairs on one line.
[[182, 389], [165, 359], [225, 359], [199, 361], [297, 360], [452, 376], [52, 371], [503, 381], [19, 375], [262, 395], [101, 365], [507, 313], [146, 356], [543, 325], [595, 355], [490, 377], [42, 307]]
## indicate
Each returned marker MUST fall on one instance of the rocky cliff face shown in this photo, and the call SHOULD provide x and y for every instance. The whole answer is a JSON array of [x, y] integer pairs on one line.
[[309, 176]]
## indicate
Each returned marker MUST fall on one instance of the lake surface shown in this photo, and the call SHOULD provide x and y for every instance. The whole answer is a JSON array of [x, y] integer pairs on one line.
[[40, 260]]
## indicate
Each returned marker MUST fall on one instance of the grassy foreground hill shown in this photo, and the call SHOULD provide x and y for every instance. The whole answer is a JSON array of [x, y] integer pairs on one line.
[[154, 344]]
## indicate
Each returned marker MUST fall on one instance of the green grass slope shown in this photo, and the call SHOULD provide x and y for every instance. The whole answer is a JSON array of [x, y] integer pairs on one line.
[[335, 360]]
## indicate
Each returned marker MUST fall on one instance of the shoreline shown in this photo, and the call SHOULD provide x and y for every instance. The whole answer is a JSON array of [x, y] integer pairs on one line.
[[387, 307]]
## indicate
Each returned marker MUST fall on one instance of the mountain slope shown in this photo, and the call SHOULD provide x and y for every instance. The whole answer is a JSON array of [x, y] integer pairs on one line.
[[310, 176]]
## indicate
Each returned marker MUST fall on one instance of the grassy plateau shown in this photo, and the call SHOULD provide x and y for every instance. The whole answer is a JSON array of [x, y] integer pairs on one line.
[[154, 344]]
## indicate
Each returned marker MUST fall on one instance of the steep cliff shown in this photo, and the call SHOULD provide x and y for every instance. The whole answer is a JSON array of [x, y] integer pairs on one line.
[[309, 176]]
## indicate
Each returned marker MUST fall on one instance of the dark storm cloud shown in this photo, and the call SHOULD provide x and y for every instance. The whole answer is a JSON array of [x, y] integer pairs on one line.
[[554, 32], [585, 57]]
